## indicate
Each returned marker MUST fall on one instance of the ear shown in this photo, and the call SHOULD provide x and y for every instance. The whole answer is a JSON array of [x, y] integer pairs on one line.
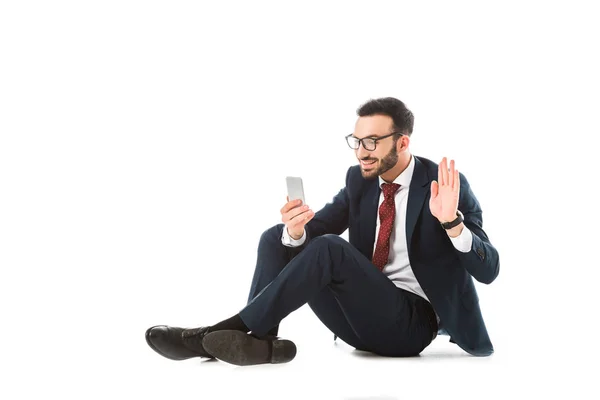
[[402, 143]]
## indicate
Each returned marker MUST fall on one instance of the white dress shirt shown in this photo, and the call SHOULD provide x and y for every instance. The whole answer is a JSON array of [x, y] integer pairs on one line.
[[398, 269]]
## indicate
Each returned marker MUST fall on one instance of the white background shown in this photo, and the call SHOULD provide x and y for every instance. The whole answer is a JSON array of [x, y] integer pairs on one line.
[[144, 147]]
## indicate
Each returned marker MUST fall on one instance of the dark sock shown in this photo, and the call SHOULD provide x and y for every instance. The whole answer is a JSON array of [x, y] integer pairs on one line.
[[273, 331], [234, 323]]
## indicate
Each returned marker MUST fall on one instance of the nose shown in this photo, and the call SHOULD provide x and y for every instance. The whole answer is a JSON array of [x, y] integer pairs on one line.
[[361, 152]]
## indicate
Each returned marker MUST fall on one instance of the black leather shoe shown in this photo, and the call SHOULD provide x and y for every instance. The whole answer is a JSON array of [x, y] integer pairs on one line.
[[192, 339], [239, 348], [167, 341]]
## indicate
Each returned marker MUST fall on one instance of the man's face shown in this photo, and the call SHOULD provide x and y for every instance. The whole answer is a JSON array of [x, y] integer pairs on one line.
[[384, 157]]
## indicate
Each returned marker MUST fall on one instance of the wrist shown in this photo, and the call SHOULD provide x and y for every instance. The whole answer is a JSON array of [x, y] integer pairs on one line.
[[449, 218], [456, 231], [295, 236], [451, 222]]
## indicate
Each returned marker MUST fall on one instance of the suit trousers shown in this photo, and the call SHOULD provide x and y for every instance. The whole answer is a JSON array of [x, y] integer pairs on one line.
[[350, 296]]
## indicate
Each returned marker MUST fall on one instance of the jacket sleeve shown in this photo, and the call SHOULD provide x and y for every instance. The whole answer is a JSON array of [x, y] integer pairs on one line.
[[483, 260], [331, 219]]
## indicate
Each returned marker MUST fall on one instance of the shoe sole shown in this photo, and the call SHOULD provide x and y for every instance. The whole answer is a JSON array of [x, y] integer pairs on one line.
[[239, 348]]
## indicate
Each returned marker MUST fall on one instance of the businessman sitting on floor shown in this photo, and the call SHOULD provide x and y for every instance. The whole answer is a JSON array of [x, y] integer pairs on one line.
[[415, 242]]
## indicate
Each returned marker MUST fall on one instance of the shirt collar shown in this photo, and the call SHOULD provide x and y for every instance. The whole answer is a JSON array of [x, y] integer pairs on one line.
[[405, 177]]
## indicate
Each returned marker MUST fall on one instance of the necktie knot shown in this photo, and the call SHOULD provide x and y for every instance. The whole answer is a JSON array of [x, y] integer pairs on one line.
[[389, 190]]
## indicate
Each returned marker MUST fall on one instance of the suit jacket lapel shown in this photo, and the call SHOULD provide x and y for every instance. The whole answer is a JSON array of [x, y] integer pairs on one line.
[[419, 187], [370, 210]]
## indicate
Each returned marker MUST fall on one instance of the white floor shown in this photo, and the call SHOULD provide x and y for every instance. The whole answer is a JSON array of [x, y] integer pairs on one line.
[[328, 370], [88, 343], [324, 369], [97, 365]]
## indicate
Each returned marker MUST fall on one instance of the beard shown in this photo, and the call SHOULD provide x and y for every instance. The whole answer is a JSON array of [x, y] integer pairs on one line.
[[385, 164]]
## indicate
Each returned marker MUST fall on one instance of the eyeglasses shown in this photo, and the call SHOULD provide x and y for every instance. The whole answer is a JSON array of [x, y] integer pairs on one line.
[[368, 143]]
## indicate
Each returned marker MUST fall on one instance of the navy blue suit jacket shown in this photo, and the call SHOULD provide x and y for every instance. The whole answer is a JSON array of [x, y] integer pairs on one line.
[[444, 273]]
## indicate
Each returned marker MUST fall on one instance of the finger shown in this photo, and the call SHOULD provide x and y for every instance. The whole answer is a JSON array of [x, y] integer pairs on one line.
[[288, 216], [440, 174], [290, 205], [434, 189], [305, 214], [310, 216], [451, 175], [297, 211], [444, 172], [289, 219], [301, 219], [456, 181]]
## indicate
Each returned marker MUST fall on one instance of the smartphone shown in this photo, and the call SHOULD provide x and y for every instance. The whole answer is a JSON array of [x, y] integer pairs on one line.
[[295, 188]]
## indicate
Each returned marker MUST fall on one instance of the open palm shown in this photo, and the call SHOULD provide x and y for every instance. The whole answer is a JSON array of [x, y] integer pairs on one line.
[[443, 203]]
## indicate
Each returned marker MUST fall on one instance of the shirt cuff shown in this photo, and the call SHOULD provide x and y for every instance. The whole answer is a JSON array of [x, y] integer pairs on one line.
[[464, 241], [287, 240]]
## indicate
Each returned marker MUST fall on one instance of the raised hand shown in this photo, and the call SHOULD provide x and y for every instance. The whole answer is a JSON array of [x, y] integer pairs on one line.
[[443, 203]]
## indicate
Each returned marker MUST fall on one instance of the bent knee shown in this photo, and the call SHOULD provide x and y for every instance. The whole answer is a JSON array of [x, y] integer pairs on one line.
[[329, 238], [273, 232]]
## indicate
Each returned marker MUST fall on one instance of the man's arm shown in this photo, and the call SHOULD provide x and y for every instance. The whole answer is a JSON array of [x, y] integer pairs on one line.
[[461, 237], [332, 218], [482, 261]]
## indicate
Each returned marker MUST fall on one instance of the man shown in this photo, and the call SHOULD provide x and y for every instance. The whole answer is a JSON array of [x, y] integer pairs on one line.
[[415, 243]]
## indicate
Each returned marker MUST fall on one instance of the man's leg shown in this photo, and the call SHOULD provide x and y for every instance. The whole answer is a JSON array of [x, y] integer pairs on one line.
[[271, 258], [327, 308], [386, 319]]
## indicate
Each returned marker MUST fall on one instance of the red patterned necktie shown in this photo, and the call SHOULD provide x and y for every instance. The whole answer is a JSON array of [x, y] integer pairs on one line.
[[387, 212]]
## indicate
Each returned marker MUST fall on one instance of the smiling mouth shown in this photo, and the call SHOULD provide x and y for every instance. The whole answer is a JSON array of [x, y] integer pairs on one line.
[[367, 163]]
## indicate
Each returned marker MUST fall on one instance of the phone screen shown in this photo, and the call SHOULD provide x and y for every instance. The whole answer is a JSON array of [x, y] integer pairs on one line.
[[295, 188]]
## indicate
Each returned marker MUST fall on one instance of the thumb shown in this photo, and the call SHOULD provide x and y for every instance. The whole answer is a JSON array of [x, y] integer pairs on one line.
[[434, 189]]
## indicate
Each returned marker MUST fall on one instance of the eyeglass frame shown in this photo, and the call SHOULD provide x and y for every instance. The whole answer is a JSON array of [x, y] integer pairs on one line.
[[375, 140]]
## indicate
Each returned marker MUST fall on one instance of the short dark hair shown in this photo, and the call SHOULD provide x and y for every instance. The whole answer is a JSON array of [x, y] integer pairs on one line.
[[403, 118]]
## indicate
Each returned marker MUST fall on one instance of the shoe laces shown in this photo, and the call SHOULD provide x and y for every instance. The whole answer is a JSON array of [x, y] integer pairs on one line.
[[194, 335]]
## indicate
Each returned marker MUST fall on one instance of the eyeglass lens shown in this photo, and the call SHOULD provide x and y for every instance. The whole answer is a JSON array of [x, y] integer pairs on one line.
[[369, 144]]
